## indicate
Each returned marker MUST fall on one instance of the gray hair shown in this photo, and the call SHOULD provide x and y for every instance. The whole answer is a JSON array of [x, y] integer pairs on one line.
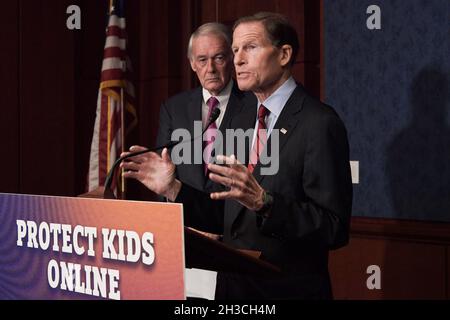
[[210, 28]]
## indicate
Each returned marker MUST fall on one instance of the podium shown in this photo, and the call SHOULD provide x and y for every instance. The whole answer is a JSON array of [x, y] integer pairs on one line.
[[79, 248], [202, 252]]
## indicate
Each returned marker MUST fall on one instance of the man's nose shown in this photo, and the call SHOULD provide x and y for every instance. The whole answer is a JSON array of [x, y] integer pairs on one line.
[[238, 59], [211, 66]]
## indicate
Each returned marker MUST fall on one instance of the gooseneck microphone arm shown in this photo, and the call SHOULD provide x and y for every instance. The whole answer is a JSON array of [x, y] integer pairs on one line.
[[109, 194]]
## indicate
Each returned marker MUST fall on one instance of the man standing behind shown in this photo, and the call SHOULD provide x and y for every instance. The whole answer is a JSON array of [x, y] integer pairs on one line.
[[295, 216]]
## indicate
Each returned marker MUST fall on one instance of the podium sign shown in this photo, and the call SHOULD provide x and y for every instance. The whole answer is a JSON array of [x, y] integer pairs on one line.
[[76, 248]]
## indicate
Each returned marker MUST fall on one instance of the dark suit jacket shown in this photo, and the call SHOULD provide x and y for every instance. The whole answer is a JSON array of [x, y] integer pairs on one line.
[[180, 111], [311, 210]]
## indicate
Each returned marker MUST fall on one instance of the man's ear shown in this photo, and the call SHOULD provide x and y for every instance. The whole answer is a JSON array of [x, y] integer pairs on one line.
[[191, 61], [285, 54]]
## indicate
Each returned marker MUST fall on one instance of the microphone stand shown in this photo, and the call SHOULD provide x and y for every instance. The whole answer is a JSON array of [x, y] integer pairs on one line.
[[109, 194]]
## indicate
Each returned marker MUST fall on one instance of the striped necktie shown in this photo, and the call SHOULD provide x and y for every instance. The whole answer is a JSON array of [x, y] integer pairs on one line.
[[261, 138], [210, 134]]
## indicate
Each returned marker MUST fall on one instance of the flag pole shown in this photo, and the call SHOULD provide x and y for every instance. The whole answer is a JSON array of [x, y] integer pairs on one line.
[[122, 125]]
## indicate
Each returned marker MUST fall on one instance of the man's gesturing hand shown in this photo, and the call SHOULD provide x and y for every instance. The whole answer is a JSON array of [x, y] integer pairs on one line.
[[243, 186], [154, 171]]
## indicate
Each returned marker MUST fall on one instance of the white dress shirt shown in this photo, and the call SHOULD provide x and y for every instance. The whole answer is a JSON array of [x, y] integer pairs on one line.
[[223, 97], [275, 104]]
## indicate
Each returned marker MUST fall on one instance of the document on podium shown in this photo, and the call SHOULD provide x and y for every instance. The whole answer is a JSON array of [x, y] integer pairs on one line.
[[200, 283]]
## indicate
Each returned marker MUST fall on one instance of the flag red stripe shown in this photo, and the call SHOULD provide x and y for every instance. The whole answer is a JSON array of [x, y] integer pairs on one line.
[[112, 74], [113, 52], [116, 31]]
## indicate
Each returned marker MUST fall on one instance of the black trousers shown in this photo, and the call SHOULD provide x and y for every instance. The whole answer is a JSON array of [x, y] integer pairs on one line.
[[243, 287]]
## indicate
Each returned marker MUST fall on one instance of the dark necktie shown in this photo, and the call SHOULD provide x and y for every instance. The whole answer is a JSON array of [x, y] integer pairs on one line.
[[210, 134], [261, 138]]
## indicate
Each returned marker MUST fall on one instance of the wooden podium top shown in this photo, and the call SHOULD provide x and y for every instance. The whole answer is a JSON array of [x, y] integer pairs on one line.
[[96, 193], [205, 253]]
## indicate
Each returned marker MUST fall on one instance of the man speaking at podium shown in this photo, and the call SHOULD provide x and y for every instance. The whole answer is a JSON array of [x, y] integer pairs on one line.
[[293, 217], [210, 57]]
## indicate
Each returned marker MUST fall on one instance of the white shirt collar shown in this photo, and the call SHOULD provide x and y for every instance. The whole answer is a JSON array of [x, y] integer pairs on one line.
[[222, 97], [277, 100]]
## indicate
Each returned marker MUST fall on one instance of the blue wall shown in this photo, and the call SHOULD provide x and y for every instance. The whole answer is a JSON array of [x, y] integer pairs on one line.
[[391, 88]]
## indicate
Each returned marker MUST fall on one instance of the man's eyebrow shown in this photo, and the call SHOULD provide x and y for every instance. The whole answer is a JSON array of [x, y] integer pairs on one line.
[[246, 41]]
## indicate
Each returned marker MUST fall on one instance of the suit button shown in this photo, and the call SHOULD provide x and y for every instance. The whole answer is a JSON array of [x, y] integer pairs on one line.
[[234, 235]]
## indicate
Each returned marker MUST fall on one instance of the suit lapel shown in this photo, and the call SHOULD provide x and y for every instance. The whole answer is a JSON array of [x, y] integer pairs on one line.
[[194, 113], [233, 107], [245, 120], [285, 125]]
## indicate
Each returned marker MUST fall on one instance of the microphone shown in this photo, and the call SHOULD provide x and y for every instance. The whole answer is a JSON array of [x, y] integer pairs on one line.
[[109, 194]]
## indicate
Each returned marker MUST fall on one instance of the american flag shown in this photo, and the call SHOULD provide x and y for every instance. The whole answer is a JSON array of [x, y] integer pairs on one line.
[[115, 104]]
